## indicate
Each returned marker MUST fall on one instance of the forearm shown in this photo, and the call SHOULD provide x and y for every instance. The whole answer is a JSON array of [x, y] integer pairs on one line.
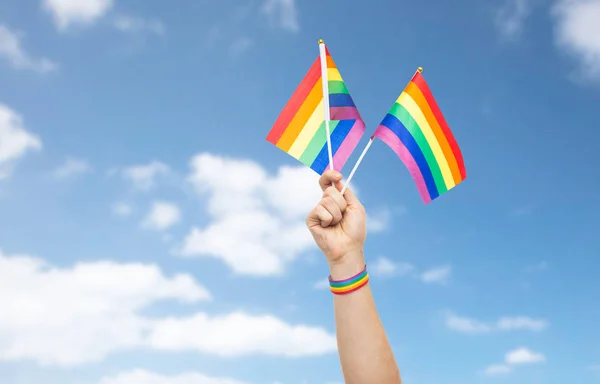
[[365, 353]]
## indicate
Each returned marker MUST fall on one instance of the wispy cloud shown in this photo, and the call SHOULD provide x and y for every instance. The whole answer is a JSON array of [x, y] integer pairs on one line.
[[523, 355], [144, 176], [163, 215], [577, 32], [122, 209], [282, 14], [437, 275], [466, 325], [11, 50], [497, 369], [379, 221], [519, 356], [518, 323], [136, 25], [321, 284], [511, 16], [71, 167], [68, 13], [15, 140], [504, 324], [140, 376], [384, 267]]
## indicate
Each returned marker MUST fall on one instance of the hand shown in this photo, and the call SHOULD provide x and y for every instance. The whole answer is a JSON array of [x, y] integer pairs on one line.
[[338, 224]]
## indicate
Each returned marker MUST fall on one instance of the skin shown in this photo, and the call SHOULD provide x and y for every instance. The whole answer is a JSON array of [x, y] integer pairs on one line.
[[338, 225]]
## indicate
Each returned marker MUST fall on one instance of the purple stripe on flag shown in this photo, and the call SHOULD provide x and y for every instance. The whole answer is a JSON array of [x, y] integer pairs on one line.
[[387, 136], [348, 145], [344, 113]]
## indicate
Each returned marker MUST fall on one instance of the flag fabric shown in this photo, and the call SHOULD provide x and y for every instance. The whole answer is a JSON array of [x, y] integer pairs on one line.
[[416, 130], [300, 128]]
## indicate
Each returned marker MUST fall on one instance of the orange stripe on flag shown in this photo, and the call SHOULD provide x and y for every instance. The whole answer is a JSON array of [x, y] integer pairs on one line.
[[299, 121]]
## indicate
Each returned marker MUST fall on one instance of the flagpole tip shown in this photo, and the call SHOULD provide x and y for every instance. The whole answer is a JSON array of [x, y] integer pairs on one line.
[[321, 41], [420, 69]]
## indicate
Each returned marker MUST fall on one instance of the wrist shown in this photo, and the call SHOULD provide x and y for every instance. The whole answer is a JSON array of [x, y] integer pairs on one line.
[[348, 265]]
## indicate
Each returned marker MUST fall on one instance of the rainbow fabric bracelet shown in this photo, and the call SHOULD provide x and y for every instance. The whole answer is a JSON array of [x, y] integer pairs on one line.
[[354, 283]]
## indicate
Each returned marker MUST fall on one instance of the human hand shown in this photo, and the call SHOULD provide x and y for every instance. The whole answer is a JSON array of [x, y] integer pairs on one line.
[[338, 225]]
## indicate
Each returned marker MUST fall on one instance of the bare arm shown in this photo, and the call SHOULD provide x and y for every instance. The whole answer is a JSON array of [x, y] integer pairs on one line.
[[338, 225], [365, 353]]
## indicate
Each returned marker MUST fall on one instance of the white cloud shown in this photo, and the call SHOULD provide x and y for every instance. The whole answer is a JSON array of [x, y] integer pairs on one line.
[[68, 316], [497, 369], [503, 324], [144, 176], [71, 167], [257, 219], [321, 284], [132, 24], [15, 140], [519, 356], [140, 376], [240, 334], [379, 221], [511, 17], [13, 52], [74, 315], [282, 13], [524, 356], [577, 32], [466, 325], [67, 13], [384, 267], [162, 215], [521, 323], [439, 275], [122, 209]]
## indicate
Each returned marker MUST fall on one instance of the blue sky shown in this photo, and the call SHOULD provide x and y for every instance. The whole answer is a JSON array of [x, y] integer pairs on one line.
[[150, 234]]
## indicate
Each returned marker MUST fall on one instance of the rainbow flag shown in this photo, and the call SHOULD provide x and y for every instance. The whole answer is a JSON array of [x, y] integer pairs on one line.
[[416, 130], [300, 128]]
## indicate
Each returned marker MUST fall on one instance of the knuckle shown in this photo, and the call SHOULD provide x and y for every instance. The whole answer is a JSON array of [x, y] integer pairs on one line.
[[330, 191], [328, 200]]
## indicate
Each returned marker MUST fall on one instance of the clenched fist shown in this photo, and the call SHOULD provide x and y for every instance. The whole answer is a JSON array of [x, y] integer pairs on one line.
[[338, 225]]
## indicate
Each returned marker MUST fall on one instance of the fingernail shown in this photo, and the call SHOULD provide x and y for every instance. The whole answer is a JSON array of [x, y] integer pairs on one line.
[[337, 175]]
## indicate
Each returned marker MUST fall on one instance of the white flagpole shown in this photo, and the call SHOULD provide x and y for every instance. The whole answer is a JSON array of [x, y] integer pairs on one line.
[[357, 164], [325, 83], [420, 69]]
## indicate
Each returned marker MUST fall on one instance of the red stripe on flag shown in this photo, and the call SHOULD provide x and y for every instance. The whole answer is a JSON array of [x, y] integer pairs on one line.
[[295, 102], [422, 84]]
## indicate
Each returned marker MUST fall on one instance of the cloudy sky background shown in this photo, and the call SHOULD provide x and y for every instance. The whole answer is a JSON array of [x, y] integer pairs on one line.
[[150, 234]]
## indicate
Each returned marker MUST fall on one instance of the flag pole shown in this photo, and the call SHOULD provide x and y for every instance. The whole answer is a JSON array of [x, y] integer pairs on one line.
[[325, 83], [364, 152]]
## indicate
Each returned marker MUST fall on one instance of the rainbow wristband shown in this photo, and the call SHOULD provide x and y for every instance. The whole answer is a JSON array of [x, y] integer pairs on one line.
[[354, 283]]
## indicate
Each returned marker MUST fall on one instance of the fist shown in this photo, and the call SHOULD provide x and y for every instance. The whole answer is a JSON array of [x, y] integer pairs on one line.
[[338, 222]]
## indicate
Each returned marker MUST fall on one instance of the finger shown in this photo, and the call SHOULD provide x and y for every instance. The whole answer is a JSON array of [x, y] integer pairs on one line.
[[351, 198], [331, 206], [319, 216], [329, 177], [336, 195]]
